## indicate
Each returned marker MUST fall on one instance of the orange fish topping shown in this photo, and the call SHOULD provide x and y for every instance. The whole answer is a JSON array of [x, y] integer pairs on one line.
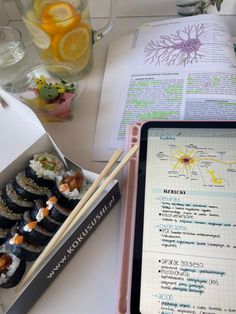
[[17, 239], [53, 199], [73, 182], [5, 261], [64, 187], [31, 225], [45, 211]]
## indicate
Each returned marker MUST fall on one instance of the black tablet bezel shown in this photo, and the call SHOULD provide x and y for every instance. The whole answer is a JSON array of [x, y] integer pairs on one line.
[[138, 233]]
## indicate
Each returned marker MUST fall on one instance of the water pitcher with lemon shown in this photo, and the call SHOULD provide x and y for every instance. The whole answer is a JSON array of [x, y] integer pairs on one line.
[[61, 30]]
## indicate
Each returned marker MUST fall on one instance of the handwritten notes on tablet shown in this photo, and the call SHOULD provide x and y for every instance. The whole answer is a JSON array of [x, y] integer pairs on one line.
[[189, 239]]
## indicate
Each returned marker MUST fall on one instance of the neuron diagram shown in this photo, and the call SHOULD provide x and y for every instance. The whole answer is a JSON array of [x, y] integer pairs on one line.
[[181, 48]]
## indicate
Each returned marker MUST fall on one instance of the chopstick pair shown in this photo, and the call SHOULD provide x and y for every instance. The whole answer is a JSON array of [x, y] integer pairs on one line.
[[88, 199]]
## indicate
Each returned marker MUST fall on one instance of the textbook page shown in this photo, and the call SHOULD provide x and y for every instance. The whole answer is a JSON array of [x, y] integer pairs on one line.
[[189, 243], [182, 68], [116, 65]]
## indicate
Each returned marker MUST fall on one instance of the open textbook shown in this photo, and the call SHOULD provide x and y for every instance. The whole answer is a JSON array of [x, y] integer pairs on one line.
[[183, 68]]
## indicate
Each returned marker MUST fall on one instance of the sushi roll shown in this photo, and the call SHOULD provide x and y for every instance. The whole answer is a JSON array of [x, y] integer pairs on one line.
[[14, 201], [40, 213], [59, 213], [19, 246], [7, 217], [69, 188], [11, 268], [43, 169], [27, 188], [56, 211], [34, 233]]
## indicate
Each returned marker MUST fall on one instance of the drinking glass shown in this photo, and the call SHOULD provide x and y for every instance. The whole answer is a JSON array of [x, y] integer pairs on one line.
[[12, 53]]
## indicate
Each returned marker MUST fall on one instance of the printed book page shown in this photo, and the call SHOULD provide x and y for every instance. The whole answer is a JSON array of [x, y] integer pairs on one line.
[[116, 66], [178, 69], [189, 243]]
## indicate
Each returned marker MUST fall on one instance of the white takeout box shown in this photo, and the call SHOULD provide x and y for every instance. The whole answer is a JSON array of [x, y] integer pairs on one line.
[[22, 135]]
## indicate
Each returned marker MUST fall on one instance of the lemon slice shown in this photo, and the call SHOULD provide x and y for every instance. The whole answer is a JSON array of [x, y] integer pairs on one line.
[[83, 62], [31, 16], [73, 45], [39, 5], [59, 17], [39, 37], [58, 12]]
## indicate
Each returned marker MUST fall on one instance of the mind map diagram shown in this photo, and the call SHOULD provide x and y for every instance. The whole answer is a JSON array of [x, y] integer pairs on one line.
[[179, 49], [206, 165]]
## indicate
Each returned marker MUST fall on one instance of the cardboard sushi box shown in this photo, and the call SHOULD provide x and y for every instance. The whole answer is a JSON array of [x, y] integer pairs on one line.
[[22, 135]]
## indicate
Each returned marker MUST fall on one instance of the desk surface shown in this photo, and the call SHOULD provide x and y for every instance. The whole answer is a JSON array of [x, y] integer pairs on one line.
[[88, 283]]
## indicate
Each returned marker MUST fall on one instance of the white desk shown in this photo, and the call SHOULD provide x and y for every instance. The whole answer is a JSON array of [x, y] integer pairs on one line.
[[88, 283]]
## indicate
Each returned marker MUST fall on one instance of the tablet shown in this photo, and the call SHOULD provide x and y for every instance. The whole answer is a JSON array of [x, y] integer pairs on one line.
[[184, 256]]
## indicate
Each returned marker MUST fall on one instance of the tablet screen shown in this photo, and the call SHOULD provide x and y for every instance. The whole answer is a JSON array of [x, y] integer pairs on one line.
[[185, 234]]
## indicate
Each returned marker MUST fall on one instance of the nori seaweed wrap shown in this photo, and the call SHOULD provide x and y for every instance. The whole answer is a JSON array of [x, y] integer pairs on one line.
[[7, 217], [43, 169], [34, 233], [59, 213], [20, 247], [70, 188], [11, 268], [56, 211], [27, 188], [47, 222], [14, 201]]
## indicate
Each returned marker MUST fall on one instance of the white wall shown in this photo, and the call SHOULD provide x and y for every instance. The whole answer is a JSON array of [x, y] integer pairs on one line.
[[125, 8], [150, 7]]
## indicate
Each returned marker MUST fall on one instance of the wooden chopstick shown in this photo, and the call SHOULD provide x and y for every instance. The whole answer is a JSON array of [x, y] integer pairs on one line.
[[101, 188], [72, 217], [3, 102], [81, 209]]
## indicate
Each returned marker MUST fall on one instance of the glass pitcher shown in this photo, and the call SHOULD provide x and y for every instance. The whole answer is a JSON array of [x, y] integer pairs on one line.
[[62, 32]]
